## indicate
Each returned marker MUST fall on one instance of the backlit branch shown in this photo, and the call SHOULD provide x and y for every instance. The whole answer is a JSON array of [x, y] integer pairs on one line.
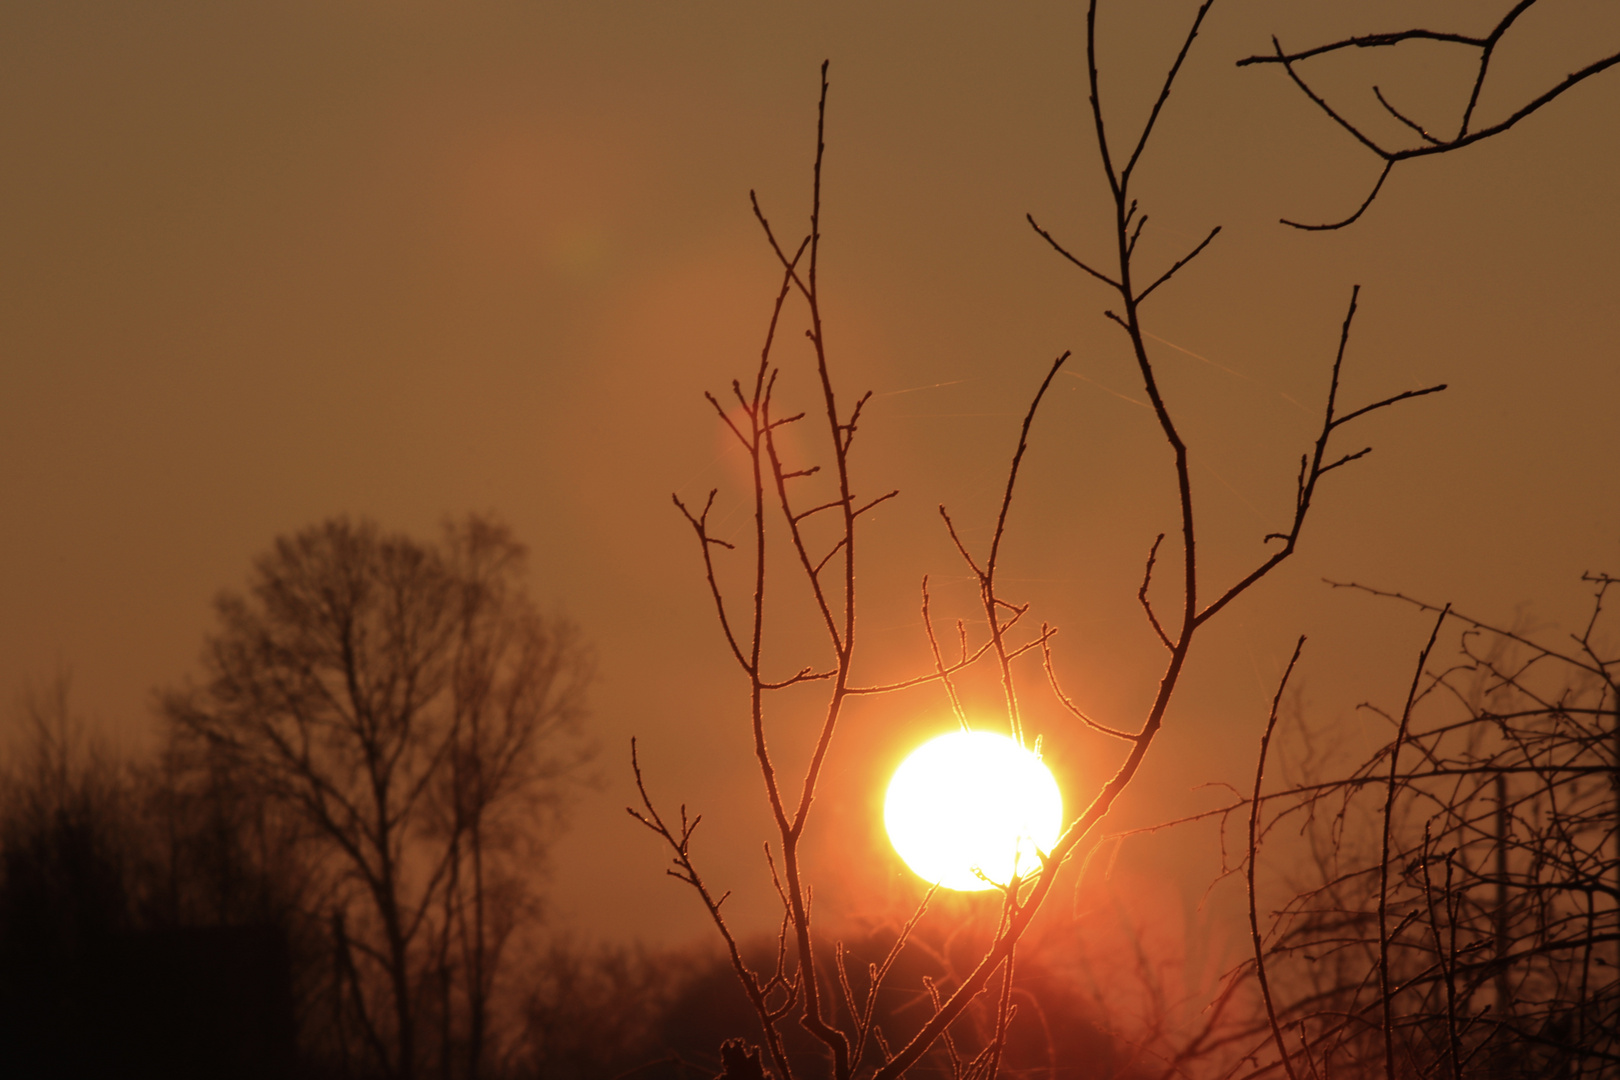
[[1312, 469], [1075, 710], [1142, 593], [679, 841], [1254, 909], [1127, 230], [819, 528], [987, 573]]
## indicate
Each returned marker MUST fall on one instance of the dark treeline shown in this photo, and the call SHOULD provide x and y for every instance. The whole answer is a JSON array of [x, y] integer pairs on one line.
[[149, 916], [328, 867], [329, 864], [160, 918]]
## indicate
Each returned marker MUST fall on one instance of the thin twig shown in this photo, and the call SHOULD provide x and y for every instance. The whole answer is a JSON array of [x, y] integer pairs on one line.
[[1254, 818], [1383, 864]]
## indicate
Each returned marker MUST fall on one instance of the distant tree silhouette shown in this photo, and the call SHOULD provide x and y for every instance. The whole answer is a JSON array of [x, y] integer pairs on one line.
[[408, 707], [138, 938], [64, 893]]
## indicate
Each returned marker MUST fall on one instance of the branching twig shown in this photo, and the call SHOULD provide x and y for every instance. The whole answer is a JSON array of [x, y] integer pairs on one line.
[[1430, 144]]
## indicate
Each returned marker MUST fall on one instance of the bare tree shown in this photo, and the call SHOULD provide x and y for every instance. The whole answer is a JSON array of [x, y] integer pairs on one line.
[[410, 706], [818, 530], [1465, 920], [1430, 139]]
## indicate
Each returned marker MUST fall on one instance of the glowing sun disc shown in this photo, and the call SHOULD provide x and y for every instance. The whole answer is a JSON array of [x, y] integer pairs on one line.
[[972, 801]]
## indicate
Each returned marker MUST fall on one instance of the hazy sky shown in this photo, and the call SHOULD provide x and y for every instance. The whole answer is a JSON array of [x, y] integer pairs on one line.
[[261, 263]]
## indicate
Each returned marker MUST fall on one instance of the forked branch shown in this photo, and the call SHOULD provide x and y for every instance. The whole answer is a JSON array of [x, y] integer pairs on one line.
[[819, 526], [1430, 144], [1315, 466]]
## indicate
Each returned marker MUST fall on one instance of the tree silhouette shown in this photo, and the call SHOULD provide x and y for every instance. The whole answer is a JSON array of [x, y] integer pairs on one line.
[[408, 705]]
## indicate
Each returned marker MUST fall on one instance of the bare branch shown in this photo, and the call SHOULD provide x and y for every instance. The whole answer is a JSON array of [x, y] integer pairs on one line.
[[1164, 96], [1397, 114], [1075, 710], [1061, 250], [700, 525], [1383, 870], [1254, 909], [1183, 261], [1431, 144], [1313, 469], [876, 501], [1353, 218], [1142, 593]]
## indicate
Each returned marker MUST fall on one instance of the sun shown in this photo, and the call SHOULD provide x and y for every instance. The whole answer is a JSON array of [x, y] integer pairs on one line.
[[972, 803]]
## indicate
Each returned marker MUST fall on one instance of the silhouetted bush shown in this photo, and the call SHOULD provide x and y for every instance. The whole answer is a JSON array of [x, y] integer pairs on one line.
[[1460, 916]]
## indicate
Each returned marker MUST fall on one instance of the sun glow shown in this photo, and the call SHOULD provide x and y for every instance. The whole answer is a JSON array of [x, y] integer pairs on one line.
[[972, 803]]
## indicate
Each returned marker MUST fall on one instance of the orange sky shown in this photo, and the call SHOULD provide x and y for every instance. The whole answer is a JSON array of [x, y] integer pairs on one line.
[[268, 262]]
